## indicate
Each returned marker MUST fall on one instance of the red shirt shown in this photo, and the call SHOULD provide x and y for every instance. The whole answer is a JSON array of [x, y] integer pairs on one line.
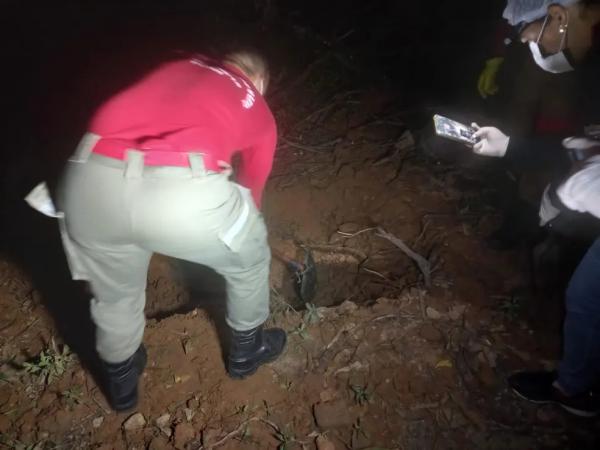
[[194, 105]]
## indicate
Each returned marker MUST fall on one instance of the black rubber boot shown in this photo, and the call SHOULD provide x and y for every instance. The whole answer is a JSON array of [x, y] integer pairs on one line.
[[122, 380], [250, 349]]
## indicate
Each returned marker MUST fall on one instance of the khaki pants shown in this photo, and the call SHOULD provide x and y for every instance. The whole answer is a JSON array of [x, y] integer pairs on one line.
[[117, 213]]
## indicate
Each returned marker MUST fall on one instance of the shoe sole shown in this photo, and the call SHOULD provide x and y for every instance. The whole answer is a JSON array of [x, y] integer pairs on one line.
[[574, 411]]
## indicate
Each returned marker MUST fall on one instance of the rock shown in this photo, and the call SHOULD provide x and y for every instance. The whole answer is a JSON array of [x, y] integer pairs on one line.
[[184, 433], [457, 311], [163, 421], [324, 444], [349, 227], [433, 313], [347, 307], [327, 395], [134, 422], [43, 435], [431, 333], [97, 421], [332, 415], [164, 424], [189, 414]]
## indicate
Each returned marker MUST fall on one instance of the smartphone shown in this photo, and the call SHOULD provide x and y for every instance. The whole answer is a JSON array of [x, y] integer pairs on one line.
[[453, 130]]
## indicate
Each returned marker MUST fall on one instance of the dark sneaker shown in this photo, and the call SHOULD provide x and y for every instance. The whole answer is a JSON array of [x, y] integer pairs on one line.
[[538, 387], [122, 380], [253, 348]]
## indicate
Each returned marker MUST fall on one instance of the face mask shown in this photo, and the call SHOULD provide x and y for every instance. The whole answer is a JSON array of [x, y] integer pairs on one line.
[[555, 63]]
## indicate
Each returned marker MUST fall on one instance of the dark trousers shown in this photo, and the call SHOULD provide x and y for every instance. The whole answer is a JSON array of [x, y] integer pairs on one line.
[[579, 369]]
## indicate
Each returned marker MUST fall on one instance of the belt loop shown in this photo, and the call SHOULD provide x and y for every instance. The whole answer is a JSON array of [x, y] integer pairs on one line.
[[197, 164], [84, 148], [134, 163]]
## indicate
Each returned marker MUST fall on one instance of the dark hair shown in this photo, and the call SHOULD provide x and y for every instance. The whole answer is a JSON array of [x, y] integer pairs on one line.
[[590, 2]]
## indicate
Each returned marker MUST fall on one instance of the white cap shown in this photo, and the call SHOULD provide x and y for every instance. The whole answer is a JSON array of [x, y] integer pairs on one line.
[[527, 11]]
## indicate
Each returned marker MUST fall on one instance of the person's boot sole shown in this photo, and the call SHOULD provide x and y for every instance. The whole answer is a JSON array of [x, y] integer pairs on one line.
[[569, 409]]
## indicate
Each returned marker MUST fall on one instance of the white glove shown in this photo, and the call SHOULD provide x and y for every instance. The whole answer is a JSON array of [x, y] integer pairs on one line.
[[490, 141], [547, 210], [580, 143]]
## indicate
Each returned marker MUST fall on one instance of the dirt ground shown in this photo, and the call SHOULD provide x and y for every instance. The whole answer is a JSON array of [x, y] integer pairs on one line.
[[380, 361], [389, 355]]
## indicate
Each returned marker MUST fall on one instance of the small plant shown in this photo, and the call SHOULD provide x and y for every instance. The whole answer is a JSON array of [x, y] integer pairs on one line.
[[242, 409], [312, 314], [301, 331], [511, 307], [51, 363], [73, 396], [285, 439], [361, 394], [357, 431]]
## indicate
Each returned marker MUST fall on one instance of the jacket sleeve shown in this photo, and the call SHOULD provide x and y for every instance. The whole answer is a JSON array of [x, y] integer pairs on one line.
[[581, 191]]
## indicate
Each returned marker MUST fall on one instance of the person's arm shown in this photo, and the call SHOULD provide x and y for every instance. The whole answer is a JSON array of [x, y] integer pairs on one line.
[[524, 152], [581, 191], [256, 164]]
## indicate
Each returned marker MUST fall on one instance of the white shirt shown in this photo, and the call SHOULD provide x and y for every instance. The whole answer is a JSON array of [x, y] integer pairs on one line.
[[581, 191]]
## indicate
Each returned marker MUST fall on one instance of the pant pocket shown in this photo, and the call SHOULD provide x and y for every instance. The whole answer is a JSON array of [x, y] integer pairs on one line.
[[236, 234], [72, 252]]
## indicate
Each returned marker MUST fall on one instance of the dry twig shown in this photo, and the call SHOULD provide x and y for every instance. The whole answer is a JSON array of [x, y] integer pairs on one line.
[[422, 262], [229, 435]]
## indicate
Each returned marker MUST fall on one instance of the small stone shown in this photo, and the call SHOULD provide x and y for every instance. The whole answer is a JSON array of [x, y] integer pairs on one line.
[[433, 313], [457, 311], [347, 307], [327, 395], [184, 433], [188, 346], [324, 444], [98, 421], [349, 227], [189, 414], [332, 415], [43, 435], [134, 422], [163, 421]]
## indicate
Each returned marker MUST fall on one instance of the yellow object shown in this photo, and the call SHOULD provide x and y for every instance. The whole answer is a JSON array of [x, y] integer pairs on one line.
[[487, 84]]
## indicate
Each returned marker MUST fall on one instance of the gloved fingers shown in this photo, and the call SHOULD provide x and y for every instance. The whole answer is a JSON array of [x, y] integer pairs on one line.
[[489, 85], [475, 125], [481, 85], [478, 147], [482, 133], [580, 143]]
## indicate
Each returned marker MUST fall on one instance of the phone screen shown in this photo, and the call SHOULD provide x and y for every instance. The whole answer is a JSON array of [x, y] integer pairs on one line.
[[451, 129]]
